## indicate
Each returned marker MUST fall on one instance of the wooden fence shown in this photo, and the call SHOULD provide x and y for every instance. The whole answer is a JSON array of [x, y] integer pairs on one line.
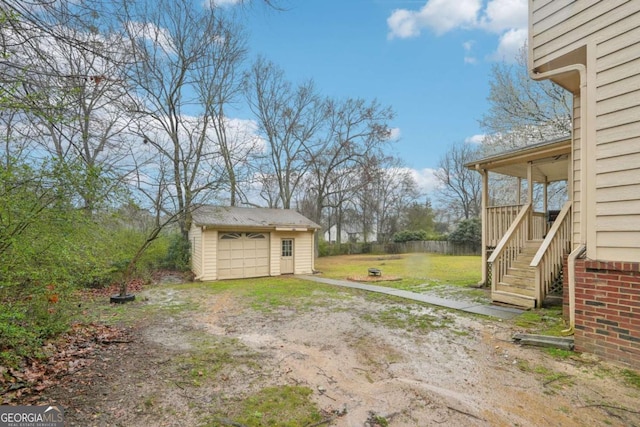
[[431, 246]]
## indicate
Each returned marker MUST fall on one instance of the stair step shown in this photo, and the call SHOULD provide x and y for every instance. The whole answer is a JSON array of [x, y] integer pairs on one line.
[[515, 289], [529, 273], [518, 300], [522, 262], [522, 282]]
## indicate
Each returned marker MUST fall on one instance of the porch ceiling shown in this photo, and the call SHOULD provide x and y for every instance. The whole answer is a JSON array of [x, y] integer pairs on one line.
[[550, 161]]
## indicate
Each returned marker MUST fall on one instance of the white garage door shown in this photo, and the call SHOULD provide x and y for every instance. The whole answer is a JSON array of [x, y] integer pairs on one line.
[[243, 255]]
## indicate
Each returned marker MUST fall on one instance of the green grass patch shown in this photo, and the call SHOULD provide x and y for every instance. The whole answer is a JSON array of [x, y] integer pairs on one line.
[[559, 353], [271, 293], [211, 356], [414, 270], [550, 379], [281, 406], [544, 321], [632, 378], [406, 318]]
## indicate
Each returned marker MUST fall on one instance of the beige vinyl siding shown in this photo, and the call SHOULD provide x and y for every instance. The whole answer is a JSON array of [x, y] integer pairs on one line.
[[303, 251], [577, 176], [611, 31], [617, 163], [209, 250], [562, 26], [195, 242]]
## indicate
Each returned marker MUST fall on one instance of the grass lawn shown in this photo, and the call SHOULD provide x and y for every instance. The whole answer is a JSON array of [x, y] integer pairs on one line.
[[418, 272]]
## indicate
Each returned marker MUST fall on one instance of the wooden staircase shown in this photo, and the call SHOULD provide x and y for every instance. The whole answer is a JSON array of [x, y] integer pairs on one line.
[[517, 286]]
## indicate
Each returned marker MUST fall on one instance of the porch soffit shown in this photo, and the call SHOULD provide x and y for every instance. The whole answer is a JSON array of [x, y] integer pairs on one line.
[[550, 161]]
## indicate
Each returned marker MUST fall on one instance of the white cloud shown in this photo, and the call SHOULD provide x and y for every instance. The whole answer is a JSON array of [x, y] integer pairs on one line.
[[438, 15], [154, 34], [507, 18], [394, 134], [426, 180], [220, 3], [510, 45], [502, 15], [475, 139], [469, 58]]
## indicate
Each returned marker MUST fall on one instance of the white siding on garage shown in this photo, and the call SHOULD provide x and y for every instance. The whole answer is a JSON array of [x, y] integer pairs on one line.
[[209, 260], [195, 242], [303, 247]]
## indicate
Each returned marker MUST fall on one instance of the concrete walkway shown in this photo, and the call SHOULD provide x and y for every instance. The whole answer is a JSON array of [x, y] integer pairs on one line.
[[469, 307]]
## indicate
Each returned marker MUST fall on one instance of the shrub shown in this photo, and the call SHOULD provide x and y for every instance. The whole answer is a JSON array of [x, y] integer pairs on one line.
[[178, 254], [410, 236], [31, 315], [468, 231]]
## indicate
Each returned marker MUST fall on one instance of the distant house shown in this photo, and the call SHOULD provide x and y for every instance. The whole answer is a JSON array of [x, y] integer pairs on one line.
[[589, 251], [239, 242], [348, 234]]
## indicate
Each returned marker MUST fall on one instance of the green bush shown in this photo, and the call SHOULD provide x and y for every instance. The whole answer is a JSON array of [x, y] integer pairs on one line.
[[468, 231], [31, 315], [178, 255], [410, 236]]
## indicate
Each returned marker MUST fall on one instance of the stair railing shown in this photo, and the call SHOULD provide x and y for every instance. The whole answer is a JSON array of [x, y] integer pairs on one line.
[[549, 258], [510, 246]]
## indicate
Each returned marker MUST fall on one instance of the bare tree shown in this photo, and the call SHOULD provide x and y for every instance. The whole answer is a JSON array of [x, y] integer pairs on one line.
[[174, 46], [390, 189], [219, 86], [523, 111], [66, 85], [460, 187], [289, 118], [355, 134]]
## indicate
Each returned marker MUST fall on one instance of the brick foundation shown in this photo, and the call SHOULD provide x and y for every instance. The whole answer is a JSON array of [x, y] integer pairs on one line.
[[607, 309]]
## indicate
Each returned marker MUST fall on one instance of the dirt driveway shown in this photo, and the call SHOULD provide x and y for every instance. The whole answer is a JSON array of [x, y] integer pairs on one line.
[[370, 361]]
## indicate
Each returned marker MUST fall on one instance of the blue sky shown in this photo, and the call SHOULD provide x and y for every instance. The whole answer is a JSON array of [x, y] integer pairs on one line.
[[429, 60]]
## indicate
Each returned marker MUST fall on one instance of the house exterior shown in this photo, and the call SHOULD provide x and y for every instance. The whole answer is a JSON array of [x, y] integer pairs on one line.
[[349, 234], [240, 242], [591, 249]]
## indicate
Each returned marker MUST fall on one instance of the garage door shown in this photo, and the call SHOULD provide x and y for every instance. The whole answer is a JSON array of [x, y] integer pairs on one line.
[[243, 255]]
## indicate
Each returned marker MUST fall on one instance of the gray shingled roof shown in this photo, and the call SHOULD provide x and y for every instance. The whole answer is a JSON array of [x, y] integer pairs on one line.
[[236, 217]]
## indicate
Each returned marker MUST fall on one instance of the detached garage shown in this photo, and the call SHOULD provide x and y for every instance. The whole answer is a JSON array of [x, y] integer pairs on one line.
[[236, 243]]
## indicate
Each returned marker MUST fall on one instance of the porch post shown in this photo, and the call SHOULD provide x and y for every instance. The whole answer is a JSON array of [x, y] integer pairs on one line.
[[545, 206], [530, 197], [484, 220], [519, 201]]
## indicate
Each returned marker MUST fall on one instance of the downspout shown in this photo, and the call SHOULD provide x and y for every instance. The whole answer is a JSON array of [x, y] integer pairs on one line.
[[571, 266], [581, 69]]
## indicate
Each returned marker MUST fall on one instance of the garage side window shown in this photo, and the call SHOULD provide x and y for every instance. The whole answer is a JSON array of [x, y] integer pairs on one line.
[[287, 247]]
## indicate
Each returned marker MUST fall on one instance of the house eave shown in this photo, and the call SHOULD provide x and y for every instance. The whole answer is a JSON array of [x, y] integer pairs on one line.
[[510, 162]]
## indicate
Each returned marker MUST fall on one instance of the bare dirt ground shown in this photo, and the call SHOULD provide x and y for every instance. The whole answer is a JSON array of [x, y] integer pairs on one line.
[[178, 367]]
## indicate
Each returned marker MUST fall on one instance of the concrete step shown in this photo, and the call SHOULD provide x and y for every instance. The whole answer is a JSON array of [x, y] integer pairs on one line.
[[517, 300]]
